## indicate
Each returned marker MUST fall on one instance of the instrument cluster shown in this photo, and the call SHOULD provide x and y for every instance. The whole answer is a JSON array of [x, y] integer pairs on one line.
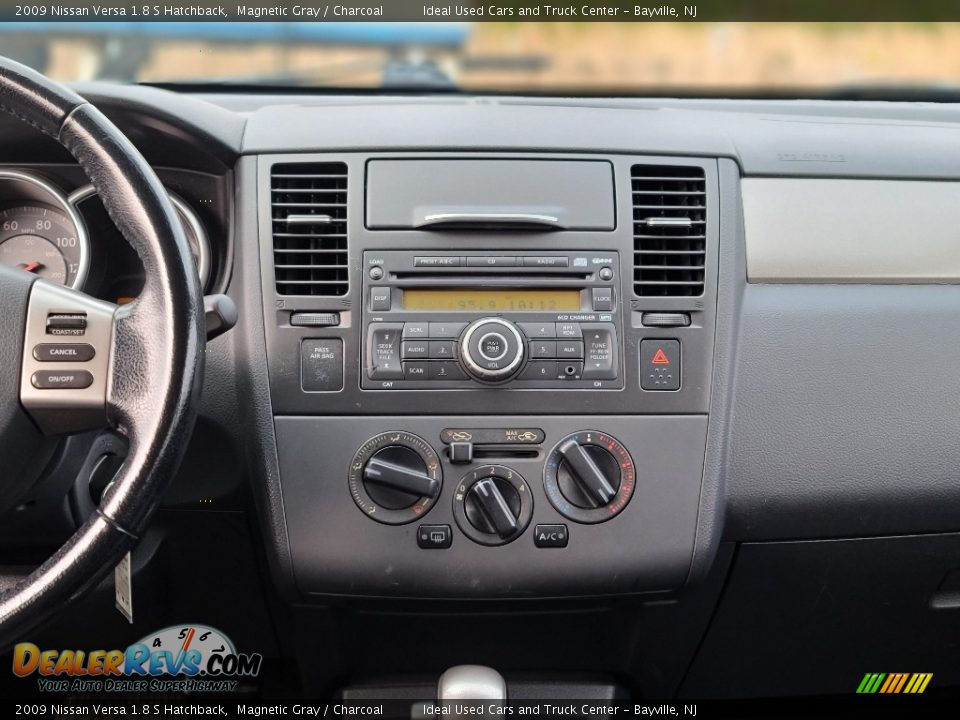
[[67, 238]]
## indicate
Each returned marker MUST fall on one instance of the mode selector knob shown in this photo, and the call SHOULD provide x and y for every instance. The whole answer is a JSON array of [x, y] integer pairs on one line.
[[492, 349], [402, 474]]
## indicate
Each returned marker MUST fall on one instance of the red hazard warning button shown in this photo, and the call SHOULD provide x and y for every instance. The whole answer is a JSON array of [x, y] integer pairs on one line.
[[660, 364]]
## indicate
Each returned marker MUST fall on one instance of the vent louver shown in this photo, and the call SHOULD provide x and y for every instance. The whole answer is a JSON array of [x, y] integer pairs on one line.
[[669, 230], [309, 212]]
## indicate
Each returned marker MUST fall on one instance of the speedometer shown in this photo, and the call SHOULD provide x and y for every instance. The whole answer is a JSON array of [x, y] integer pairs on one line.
[[42, 240]]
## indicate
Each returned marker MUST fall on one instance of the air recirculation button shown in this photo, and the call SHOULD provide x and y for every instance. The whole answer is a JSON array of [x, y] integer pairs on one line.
[[589, 477], [395, 477]]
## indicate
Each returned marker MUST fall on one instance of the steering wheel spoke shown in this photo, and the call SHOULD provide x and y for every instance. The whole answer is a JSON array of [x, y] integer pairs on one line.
[[67, 355]]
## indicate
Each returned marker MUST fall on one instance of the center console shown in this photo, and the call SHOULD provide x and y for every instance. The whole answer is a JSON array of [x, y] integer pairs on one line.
[[490, 376]]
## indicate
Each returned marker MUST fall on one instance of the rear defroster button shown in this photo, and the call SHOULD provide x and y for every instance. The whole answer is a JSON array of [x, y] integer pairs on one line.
[[61, 379]]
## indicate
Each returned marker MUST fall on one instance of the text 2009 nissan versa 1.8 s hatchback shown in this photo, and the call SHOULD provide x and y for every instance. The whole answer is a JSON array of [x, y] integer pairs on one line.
[[570, 394]]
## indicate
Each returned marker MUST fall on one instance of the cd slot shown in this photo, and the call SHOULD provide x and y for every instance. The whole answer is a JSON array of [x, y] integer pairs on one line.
[[488, 274]]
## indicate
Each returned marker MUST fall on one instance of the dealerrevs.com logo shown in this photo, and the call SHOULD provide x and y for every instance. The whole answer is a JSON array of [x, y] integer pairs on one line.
[[179, 658]]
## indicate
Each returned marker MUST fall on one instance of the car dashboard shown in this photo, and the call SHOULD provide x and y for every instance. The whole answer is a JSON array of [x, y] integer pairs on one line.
[[609, 386]]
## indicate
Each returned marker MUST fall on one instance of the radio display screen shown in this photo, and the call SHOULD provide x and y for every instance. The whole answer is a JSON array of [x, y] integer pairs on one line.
[[484, 300]]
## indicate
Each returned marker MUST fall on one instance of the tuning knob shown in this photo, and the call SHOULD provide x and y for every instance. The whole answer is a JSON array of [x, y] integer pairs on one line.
[[589, 477], [492, 505], [395, 477], [492, 349]]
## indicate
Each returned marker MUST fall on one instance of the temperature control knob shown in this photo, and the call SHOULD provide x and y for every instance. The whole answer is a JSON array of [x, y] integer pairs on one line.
[[589, 477], [395, 477], [492, 349], [492, 505]]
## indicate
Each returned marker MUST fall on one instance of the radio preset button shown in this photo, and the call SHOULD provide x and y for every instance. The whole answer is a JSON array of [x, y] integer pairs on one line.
[[540, 370], [535, 330], [446, 329], [446, 370], [413, 349], [379, 299], [441, 350], [543, 349], [384, 349]]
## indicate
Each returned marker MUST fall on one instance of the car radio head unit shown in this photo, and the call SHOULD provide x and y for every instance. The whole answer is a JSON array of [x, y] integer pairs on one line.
[[462, 320]]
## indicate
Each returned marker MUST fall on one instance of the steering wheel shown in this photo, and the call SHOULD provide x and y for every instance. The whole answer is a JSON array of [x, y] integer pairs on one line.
[[143, 377]]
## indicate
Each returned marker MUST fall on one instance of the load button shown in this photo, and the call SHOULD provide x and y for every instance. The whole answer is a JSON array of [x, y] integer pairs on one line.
[[660, 364]]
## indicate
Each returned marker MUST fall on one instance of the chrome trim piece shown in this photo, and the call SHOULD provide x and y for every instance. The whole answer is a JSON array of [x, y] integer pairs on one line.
[[83, 238], [496, 218], [187, 216], [668, 222], [320, 219]]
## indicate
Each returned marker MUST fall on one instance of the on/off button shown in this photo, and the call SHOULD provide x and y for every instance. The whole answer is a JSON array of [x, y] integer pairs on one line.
[[61, 379], [493, 346]]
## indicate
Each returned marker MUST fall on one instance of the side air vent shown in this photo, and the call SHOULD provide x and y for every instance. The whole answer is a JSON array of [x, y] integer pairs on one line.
[[309, 211], [669, 230]]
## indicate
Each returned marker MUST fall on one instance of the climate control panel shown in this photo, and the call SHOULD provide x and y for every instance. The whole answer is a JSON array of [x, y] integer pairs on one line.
[[395, 478], [476, 506]]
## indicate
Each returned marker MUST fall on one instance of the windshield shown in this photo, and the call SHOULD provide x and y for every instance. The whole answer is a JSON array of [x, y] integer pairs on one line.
[[710, 58]]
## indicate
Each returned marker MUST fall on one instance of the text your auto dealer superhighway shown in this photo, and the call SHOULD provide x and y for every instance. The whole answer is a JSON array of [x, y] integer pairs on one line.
[[315, 12]]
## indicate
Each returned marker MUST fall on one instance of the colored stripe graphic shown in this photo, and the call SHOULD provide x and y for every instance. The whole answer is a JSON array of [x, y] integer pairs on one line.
[[894, 683]]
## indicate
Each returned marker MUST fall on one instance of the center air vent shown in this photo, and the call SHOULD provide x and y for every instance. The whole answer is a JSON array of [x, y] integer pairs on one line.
[[309, 212], [669, 230]]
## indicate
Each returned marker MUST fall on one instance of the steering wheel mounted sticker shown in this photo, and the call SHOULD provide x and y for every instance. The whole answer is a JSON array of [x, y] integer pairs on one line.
[[178, 658]]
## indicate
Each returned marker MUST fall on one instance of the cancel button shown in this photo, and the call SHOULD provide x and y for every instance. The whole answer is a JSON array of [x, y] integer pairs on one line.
[[63, 352]]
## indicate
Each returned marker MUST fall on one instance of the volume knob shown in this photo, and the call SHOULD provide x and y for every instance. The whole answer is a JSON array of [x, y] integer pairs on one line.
[[492, 349]]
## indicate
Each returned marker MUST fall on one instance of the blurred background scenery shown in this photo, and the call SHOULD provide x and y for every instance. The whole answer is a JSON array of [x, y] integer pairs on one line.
[[541, 57]]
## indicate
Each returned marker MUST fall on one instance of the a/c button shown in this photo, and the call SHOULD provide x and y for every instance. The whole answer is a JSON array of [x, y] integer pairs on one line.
[[550, 536]]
